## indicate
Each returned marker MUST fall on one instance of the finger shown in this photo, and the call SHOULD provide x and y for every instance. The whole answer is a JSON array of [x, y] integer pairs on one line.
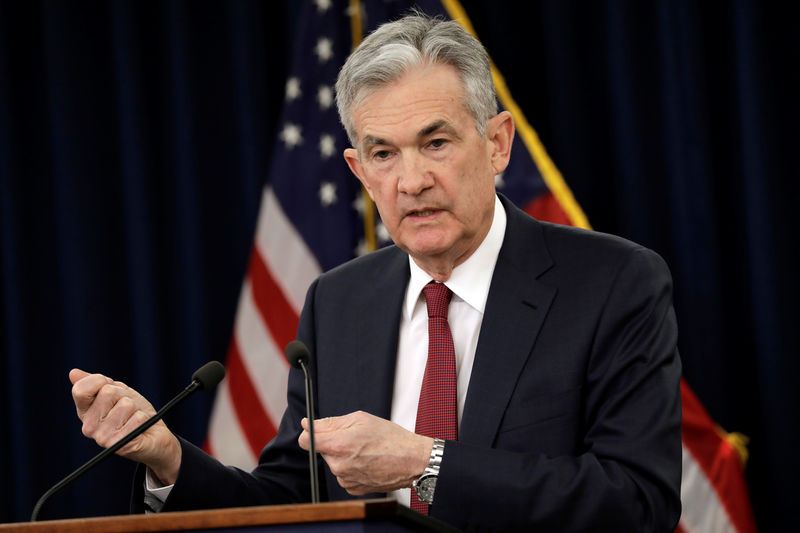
[[85, 390], [357, 488], [104, 401], [325, 431], [110, 428], [321, 441], [76, 374], [304, 440], [331, 423]]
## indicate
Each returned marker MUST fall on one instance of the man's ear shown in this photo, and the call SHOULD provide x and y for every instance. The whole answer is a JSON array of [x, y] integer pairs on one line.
[[351, 156], [500, 132]]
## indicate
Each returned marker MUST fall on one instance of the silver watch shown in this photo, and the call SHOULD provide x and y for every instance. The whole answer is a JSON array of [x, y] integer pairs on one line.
[[426, 484]]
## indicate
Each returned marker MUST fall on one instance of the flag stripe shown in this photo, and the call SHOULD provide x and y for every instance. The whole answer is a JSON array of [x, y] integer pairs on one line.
[[281, 246], [226, 439], [275, 310], [254, 420], [702, 508], [261, 354]]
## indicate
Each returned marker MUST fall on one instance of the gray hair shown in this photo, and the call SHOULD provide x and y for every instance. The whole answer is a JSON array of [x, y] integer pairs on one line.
[[415, 40]]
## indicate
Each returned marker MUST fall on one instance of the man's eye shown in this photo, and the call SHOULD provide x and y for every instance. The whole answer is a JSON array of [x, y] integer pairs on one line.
[[381, 154], [438, 143]]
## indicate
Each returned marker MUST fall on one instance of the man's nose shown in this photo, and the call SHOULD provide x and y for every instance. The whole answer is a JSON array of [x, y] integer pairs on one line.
[[415, 175]]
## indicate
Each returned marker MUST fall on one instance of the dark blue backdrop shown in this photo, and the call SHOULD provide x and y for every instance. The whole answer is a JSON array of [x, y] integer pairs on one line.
[[134, 139]]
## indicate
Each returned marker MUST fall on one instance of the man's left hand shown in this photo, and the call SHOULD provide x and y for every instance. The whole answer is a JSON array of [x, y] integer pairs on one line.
[[367, 453]]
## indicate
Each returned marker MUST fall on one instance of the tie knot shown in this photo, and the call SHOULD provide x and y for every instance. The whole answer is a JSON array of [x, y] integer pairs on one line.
[[437, 298]]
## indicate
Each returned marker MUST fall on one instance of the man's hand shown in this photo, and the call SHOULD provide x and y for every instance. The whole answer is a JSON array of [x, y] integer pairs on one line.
[[367, 453], [110, 410]]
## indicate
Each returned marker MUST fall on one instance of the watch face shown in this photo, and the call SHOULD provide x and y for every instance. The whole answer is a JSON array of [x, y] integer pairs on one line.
[[425, 488]]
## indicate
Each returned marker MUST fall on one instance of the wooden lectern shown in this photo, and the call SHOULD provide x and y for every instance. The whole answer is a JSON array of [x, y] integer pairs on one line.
[[383, 515]]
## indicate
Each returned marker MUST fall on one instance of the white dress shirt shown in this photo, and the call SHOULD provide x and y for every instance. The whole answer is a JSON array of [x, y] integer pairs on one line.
[[469, 282]]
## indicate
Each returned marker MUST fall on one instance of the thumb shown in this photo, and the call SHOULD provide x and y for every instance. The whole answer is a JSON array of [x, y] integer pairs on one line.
[[323, 424], [76, 374]]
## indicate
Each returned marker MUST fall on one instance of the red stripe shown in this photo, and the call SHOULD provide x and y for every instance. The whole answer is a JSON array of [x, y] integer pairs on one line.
[[279, 316], [253, 419], [718, 460], [679, 529], [546, 207]]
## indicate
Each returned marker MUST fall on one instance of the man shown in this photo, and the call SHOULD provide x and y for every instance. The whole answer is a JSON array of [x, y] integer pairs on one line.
[[563, 408]]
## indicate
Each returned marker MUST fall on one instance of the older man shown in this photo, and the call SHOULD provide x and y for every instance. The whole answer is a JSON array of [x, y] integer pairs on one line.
[[514, 373]]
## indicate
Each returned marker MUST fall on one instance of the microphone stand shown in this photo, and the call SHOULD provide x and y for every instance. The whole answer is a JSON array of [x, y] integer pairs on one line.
[[312, 453]]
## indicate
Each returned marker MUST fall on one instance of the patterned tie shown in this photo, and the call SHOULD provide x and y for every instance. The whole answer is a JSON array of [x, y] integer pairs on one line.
[[437, 413]]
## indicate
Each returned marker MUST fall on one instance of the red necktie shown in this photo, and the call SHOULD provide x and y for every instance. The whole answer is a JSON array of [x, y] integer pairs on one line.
[[437, 413]]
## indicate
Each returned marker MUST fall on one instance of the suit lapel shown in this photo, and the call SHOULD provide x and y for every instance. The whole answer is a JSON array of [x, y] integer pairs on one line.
[[379, 322], [515, 311]]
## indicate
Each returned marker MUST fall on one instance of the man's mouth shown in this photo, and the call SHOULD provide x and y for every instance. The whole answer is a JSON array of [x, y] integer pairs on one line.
[[425, 213]]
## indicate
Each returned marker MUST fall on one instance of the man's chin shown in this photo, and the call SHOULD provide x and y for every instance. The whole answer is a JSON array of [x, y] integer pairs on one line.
[[428, 249]]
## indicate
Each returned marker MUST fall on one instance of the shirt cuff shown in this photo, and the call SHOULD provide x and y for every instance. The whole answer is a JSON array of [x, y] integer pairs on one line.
[[153, 488]]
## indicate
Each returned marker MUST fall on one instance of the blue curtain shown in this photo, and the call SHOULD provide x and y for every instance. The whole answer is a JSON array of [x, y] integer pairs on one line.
[[134, 139]]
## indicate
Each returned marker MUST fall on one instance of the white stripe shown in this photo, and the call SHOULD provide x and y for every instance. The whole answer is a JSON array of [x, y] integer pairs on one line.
[[291, 263], [703, 511], [226, 438], [262, 358]]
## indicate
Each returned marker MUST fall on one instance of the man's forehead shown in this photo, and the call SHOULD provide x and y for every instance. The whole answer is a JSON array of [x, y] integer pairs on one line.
[[421, 101]]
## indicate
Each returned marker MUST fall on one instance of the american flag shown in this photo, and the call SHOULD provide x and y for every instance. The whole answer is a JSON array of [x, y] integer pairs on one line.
[[313, 216]]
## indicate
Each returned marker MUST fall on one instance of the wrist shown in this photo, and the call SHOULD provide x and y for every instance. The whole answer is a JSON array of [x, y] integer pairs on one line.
[[168, 466], [425, 485]]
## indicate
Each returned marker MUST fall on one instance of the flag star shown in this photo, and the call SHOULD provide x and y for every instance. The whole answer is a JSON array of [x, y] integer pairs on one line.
[[498, 181], [327, 145], [324, 49], [325, 97], [327, 193], [293, 91], [382, 233], [291, 135], [322, 5]]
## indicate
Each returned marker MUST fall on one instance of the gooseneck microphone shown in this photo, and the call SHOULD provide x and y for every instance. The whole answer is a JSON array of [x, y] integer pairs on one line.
[[206, 377], [298, 356]]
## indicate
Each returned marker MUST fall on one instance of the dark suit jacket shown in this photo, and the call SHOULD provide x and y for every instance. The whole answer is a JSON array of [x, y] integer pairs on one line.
[[572, 416]]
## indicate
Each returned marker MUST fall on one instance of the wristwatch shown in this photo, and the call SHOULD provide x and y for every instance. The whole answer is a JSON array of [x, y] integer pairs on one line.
[[426, 483]]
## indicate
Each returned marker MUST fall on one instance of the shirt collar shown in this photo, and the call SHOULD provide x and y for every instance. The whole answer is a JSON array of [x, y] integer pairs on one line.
[[471, 279]]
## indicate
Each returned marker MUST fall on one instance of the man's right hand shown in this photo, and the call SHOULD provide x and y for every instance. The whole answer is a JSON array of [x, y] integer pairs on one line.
[[110, 410]]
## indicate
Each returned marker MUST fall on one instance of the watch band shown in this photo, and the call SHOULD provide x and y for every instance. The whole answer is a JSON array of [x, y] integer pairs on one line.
[[426, 484], [437, 451]]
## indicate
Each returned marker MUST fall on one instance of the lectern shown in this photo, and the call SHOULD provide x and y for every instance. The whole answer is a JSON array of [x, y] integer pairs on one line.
[[380, 515]]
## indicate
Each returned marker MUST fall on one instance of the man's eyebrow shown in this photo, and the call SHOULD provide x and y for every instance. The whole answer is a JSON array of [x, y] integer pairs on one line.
[[439, 125], [369, 141]]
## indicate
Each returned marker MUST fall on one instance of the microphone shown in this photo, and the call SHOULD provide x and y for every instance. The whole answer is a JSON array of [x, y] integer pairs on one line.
[[298, 356], [206, 377]]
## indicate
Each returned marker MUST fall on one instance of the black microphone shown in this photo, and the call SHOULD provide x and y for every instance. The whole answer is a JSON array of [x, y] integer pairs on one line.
[[206, 377], [298, 356]]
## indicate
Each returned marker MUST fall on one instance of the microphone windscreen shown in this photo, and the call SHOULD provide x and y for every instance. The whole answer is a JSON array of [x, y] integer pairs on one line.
[[296, 351], [209, 375]]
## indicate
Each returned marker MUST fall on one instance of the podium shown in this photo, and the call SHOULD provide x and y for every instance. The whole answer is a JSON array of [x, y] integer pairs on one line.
[[377, 515]]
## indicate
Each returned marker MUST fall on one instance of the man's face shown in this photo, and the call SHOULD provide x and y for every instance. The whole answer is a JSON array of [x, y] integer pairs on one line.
[[424, 164]]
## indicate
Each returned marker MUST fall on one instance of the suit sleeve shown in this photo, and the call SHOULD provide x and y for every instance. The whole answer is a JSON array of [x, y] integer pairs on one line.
[[627, 476], [280, 477]]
